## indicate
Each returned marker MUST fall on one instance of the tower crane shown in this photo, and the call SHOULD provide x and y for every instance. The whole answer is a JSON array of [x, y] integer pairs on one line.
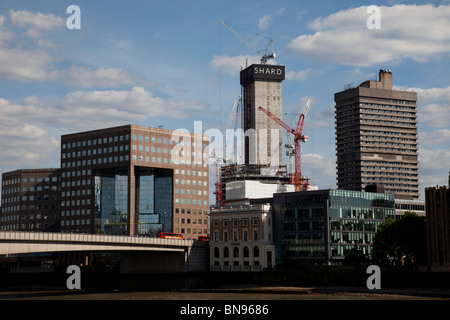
[[234, 123], [219, 185], [296, 178], [263, 53]]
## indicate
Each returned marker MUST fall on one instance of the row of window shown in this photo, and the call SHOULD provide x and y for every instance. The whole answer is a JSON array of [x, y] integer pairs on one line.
[[384, 180], [235, 222], [191, 201], [194, 182], [94, 142], [93, 152], [189, 211], [75, 222], [29, 189], [24, 226], [236, 252], [10, 209], [193, 192], [8, 182], [191, 231], [45, 197], [191, 221], [391, 106], [387, 163], [77, 212], [410, 112], [244, 235], [30, 216]]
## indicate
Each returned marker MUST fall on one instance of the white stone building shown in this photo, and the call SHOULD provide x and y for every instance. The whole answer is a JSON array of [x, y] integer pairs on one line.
[[242, 238]]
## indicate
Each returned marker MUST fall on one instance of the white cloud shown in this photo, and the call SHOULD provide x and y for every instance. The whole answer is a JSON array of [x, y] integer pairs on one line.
[[23, 144], [434, 167], [433, 94], [300, 75], [264, 22], [321, 170], [30, 130], [232, 65], [84, 77], [27, 65], [37, 20], [5, 34], [434, 106], [407, 32], [435, 137], [435, 115], [87, 109]]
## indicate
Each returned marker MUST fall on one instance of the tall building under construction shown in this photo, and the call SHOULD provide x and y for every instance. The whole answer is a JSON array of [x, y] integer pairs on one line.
[[261, 86], [263, 172], [376, 138]]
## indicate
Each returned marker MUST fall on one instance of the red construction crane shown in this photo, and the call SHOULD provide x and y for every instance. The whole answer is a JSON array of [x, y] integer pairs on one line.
[[297, 178]]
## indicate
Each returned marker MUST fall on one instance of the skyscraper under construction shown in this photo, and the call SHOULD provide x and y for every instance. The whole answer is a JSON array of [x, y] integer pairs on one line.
[[263, 171]]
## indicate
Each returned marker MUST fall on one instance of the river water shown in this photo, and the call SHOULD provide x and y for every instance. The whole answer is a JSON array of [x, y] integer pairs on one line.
[[267, 295]]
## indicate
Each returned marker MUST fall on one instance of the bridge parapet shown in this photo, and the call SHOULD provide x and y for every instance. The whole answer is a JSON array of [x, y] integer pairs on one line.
[[12, 242]]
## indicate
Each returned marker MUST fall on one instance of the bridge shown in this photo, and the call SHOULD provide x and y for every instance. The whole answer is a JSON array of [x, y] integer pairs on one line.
[[138, 253], [15, 242]]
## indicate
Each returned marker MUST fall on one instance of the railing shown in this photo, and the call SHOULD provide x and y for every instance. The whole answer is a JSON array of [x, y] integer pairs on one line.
[[88, 238]]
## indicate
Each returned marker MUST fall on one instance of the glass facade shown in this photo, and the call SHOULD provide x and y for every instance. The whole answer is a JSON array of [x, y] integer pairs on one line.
[[354, 219], [111, 202], [329, 224], [153, 203]]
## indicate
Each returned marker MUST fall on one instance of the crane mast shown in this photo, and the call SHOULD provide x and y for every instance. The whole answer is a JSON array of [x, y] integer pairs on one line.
[[296, 178]]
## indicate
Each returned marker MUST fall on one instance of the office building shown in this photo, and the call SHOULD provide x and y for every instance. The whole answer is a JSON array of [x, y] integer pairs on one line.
[[376, 138], [437, 202], [328, 226], [134, 180], [241, 238], [30, 200]]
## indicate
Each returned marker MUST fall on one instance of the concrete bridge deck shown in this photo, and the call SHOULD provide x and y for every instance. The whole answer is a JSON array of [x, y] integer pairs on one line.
[[14, 242]]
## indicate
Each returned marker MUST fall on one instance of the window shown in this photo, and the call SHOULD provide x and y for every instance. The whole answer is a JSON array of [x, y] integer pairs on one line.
[[236, 252], [246, 252], [216, 253]]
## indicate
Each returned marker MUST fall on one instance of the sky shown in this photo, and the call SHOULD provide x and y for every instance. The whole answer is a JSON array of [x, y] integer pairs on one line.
[[171, 63]]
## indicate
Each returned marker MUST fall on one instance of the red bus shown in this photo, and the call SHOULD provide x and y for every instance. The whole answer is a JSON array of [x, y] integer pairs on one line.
[[203, 238], [169, 235]]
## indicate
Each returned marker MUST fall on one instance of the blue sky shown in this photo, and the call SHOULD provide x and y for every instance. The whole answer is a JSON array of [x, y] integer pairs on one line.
[[172, 63]]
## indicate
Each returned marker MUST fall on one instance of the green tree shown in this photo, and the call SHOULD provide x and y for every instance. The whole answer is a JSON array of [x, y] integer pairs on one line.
[[404, 239]]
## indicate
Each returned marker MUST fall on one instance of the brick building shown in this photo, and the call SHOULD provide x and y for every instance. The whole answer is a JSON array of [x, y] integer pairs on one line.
[[30, 200], [134, 180]]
